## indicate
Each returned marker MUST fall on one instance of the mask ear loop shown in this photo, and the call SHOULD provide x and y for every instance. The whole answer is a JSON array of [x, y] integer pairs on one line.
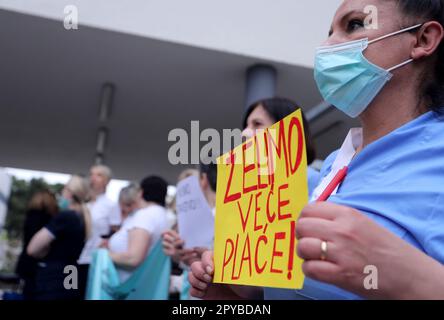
[[400, 65], [396, 33]]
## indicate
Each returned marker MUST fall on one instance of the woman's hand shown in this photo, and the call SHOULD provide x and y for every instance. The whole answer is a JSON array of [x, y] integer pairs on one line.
[[173, 245], [355, 242], [192, 255], [201, 280], [201, 275]]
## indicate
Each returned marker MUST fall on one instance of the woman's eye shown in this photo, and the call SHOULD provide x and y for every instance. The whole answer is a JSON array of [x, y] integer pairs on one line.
[[354, 25], [257, 125]]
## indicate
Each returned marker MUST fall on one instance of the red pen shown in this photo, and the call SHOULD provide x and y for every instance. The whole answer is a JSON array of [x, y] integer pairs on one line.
[[336, 181]]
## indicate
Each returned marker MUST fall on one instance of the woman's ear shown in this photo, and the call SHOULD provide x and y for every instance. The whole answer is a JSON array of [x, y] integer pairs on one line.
[[429, 38]]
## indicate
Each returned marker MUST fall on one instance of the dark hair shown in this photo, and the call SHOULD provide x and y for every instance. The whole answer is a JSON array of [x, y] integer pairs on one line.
[[44, 201], [154, 189], [432, 82], [211, 172], [278, 109]]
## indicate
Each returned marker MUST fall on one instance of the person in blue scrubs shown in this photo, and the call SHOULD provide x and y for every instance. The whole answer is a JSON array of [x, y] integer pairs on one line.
[[395, 162], [388, 213]]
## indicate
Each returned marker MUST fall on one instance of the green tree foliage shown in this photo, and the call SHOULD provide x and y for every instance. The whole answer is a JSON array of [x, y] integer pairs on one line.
[[21, 193]]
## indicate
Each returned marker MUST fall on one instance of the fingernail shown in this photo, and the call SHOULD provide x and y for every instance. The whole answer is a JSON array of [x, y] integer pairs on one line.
[[202, 285], [209, 270], [207, 278]]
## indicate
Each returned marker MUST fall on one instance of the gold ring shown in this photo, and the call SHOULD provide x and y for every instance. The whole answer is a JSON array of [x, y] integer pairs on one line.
[[324, 250]]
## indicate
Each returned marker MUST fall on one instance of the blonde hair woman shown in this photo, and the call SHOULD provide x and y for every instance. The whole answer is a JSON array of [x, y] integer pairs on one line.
[[60, 242]]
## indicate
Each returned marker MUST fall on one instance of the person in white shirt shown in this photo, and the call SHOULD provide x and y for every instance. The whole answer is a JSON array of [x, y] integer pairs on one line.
[[172, 243], [105, 216], [130, 200], [143, 227]]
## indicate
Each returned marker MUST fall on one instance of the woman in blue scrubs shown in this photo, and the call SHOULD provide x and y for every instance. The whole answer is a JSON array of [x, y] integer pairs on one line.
[[395, 166], [388, 211]]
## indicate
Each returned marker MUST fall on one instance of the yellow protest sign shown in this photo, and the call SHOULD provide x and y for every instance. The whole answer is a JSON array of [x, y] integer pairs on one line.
[[261, 189]]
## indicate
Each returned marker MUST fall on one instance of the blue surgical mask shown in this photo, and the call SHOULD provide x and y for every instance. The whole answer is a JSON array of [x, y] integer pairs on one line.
[[63, 203], [346, 79]]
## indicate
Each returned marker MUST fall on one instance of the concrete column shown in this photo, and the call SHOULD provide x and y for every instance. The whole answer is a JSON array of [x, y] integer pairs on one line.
[[260, 83]]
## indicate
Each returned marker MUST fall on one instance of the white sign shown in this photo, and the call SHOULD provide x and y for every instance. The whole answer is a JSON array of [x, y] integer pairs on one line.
[[195, 217], [5, 189]]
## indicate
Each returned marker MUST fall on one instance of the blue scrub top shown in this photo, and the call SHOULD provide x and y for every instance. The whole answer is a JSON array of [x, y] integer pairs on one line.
[[313, 177], [398, 182]]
